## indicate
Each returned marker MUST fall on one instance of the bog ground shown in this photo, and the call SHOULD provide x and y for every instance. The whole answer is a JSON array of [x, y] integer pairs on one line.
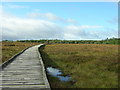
[[89, 65]]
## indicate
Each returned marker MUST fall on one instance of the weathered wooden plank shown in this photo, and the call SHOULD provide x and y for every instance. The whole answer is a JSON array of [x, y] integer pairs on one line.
[[25, 70]]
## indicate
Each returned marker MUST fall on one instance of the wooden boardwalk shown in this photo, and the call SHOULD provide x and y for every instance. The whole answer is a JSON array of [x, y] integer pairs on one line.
[[26, 72]]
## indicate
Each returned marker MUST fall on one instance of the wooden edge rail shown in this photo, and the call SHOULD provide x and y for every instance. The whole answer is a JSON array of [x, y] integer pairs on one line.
[[3, 65], [44, 71]]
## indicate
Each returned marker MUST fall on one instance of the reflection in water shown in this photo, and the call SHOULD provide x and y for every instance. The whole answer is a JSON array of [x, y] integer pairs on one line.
[[56, 73]]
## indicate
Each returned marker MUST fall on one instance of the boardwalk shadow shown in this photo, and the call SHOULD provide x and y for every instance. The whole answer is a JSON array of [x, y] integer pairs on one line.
[[48, 62], [54, 82]]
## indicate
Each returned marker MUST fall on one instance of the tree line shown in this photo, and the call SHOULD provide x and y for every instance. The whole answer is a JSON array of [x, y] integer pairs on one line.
[[46, 41]]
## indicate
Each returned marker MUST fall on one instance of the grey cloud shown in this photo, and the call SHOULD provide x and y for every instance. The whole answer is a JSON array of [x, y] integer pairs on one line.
[[17, 28], [29, 28], [82, 32]]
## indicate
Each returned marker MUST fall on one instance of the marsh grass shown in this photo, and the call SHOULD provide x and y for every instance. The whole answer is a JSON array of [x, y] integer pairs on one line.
[[89, 65], [9, 49]]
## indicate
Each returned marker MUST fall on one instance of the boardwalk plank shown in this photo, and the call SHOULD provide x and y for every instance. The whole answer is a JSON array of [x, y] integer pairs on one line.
[[25, 70]]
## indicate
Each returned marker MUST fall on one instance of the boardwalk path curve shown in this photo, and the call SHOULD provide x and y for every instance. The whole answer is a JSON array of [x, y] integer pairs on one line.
[[26, 72]]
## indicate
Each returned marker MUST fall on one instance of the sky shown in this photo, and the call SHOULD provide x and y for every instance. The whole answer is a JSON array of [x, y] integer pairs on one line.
[[59, 20]]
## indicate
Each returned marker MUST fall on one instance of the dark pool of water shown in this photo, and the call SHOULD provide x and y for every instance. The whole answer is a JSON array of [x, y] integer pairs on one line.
[[56, 73]]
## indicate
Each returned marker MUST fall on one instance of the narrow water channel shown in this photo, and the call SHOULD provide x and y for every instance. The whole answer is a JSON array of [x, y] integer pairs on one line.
[[57, 73]]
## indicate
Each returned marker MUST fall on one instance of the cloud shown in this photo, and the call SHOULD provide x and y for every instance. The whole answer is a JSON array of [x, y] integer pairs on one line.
[[69, 20], [15, 28], [81, 32], [19, 28], [51, 17], [48, 16], [28, 28], [0, 22]]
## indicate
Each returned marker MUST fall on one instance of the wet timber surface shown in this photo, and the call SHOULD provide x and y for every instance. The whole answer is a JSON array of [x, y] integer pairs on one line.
[[25, 72]]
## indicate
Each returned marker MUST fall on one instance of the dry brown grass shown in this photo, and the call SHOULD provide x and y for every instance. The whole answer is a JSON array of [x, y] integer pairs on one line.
[[90, 65], [11, 48]]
